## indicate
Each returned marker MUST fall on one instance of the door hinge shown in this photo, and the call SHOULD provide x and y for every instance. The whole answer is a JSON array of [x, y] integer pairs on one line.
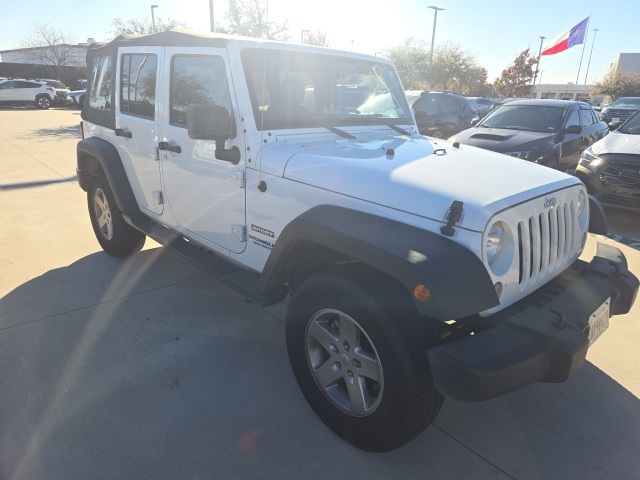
[[157, 194], [239, 177], [240, 232]]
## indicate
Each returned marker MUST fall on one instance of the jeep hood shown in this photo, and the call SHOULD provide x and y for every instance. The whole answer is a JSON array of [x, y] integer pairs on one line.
[[415, 175]]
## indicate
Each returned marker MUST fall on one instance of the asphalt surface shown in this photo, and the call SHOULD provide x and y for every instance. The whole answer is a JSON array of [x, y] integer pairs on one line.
[[147, 368]]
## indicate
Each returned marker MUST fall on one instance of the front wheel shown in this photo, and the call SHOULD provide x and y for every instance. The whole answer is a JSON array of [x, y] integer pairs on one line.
[[43, 102], [116, 237], [358, 352], [437, 134]]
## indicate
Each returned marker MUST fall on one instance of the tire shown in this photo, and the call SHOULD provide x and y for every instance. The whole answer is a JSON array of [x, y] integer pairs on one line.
[[437, 134], [43, 102], [358, 349], [552, 163], [116, 237]]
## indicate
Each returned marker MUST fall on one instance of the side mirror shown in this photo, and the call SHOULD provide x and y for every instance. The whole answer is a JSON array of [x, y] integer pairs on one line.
[[614, 125], [475, 120], [212, 122], [573, 129]]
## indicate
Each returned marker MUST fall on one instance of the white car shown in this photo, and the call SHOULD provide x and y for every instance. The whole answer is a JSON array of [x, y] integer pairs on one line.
[[413, 270], [26, 92]]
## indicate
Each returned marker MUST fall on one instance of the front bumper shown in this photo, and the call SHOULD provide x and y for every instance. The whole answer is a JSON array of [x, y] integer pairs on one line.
[[543, 338]]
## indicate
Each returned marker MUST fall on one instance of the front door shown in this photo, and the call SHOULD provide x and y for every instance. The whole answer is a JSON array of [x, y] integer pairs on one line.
[[206, 195], [137, 124]]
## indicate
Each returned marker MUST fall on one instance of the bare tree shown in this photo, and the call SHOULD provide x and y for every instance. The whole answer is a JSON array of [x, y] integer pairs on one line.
[[250, 19], [618, 84], [142, 27], [318, 38], [57, 51]]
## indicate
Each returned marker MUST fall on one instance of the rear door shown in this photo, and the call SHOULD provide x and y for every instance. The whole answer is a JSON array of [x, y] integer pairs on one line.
[[9, 91], [136, 122], [206, 195]]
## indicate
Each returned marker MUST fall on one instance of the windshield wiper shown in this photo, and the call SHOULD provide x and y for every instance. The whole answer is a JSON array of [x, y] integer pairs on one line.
[[337, 131]]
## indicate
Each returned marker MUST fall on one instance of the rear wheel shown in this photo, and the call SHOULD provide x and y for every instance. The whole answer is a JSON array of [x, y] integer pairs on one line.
[[358, 352], [437, 134], [552, 163], [116, 237], [43, 102]]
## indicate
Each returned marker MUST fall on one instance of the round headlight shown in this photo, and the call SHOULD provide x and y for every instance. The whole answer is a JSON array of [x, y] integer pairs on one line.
[[493, 242], [582, 202]]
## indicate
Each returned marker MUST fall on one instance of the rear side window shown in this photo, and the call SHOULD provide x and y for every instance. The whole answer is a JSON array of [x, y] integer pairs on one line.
[[197, 79], [448, 104], [100, 97], [28, 85], [138, 85]]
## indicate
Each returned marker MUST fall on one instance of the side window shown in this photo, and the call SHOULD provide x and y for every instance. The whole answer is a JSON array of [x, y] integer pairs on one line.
[[426, 105], [138, 85], [197, 79], [7, 85], [27, 85], [447, 104], [586, 117], [573, 118], [101, 84]]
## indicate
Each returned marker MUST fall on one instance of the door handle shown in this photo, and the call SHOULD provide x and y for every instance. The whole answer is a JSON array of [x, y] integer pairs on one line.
[[169, 147], [123, 133]]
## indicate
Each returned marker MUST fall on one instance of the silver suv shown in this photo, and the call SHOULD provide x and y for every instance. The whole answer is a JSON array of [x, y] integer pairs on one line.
[[26, 92]]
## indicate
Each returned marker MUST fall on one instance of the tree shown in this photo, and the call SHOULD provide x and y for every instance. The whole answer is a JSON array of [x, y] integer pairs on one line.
[[318, 38], [515, 80], [142, 27], [454, 68], [45, 45], [250, 19], [620, 84], [412, 62]]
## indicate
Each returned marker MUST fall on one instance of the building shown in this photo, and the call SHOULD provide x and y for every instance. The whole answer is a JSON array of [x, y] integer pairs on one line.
[[567, 91], [626, 63]]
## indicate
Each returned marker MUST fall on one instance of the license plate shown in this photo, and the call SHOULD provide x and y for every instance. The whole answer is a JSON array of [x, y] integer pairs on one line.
[[599, 321]]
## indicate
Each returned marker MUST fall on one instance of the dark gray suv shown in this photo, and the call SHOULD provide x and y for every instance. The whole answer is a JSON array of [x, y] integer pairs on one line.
[[441, 114]]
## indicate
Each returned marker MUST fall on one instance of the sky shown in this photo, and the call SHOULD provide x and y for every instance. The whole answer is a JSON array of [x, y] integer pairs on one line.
[[494, 32]]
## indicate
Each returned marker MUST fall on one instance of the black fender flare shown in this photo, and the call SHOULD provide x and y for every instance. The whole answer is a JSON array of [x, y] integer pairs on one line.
[[459, 282], [597, 218], [107, 155]]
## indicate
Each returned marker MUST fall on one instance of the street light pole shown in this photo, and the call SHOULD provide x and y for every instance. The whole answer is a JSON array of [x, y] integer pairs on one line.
[[595, 32], [537, 65], [211, 27], [433, 35], [153, 17]]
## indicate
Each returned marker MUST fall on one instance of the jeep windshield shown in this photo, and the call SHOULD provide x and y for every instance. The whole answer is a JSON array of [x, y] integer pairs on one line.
[[303, 89]]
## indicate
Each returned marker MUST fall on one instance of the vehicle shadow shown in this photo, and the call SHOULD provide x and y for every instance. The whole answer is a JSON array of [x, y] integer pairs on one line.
[[148, 368]]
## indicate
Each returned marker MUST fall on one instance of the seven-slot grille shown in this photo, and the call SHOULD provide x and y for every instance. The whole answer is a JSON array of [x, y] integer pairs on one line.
[[546, 242]]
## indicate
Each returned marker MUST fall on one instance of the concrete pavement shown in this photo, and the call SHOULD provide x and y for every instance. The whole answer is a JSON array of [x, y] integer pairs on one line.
[[147, 368]]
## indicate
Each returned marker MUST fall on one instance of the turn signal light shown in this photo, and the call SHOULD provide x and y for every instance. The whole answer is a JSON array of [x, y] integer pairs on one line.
[[422, 293]]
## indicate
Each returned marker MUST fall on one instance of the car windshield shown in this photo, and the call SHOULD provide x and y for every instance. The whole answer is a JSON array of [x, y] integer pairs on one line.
[[532, 118], [632, 125], [299, 90], [633, 102]]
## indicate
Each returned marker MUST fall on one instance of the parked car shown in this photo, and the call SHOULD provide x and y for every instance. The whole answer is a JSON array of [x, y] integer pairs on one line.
[[60, 89], [75, 99], [620, 110], [440, 114], [549, 132], [610, 168], [482, 105], [26, 92]]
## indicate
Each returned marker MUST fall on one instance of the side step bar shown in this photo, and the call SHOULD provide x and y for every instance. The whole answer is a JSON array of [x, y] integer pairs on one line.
[[244, 281]]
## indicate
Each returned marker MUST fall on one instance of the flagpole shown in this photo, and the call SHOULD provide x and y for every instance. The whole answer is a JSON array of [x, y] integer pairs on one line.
[[595, 32], [535, 74], [583, 45]]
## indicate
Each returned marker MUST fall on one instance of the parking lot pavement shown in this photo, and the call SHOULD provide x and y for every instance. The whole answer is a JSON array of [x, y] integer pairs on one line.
[[147, 368]]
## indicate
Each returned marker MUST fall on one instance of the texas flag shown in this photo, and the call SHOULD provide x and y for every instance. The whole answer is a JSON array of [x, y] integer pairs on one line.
[[567, 39]]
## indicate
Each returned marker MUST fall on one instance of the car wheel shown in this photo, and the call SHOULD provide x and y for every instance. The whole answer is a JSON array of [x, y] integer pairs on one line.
[[43, 102], [116, 237], [437, 134], [552, 163], [358, 352]]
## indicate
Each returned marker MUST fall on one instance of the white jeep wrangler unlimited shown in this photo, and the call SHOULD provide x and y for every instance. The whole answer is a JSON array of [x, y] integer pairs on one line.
[[416, 269]]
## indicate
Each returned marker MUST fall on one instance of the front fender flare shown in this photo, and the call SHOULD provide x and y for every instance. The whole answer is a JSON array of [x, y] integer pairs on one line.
[[458, 280]]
